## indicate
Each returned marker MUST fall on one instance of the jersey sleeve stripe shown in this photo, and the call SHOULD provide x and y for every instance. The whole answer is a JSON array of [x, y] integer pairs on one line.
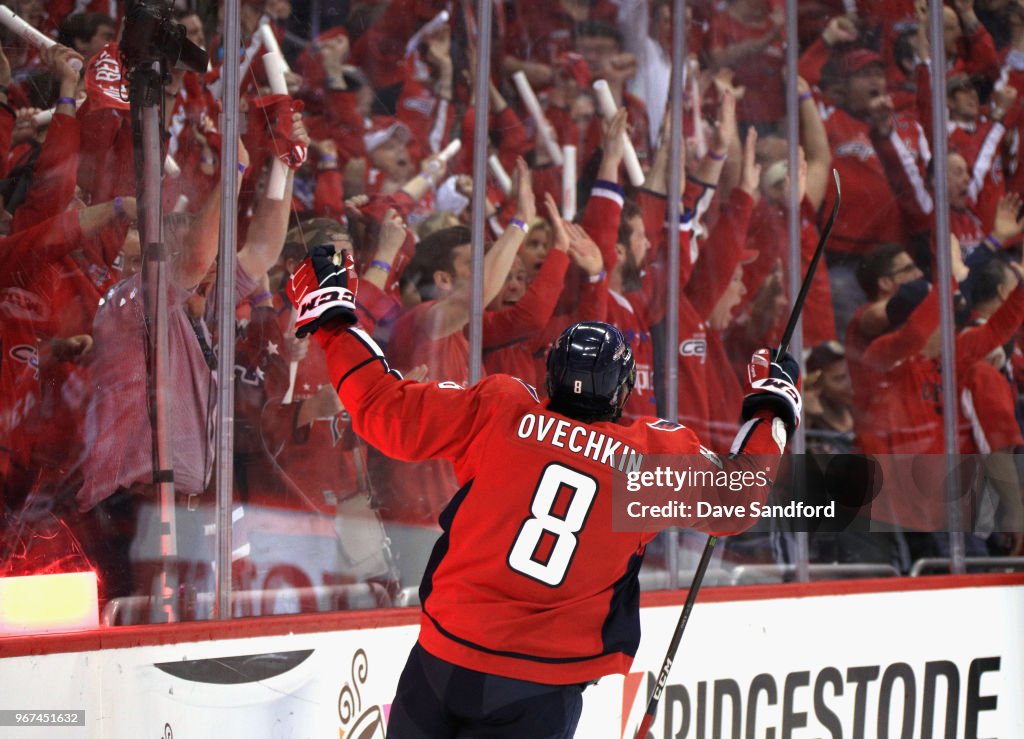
[[359, 366], [977, 430], [376, 355], [743, 436], [367, 341], [986, 157], [609, 191], [913, 174]]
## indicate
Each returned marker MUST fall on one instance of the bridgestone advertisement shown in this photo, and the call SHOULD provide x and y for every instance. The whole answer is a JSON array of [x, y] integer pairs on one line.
[[943, 663]]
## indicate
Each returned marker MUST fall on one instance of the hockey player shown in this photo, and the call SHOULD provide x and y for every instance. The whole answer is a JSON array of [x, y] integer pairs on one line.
[[529, 594]]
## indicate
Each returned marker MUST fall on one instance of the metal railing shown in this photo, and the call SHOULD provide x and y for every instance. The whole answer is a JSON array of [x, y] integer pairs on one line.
[[944, 565], [134, 609]]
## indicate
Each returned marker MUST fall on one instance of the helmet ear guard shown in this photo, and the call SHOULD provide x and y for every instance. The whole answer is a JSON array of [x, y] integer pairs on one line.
[[591, 372]]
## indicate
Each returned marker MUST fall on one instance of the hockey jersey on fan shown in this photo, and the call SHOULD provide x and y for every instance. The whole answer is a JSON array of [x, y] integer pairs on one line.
[[528, 580]]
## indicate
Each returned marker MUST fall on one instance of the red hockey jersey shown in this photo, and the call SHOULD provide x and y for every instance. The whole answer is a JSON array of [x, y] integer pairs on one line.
[[528, 580]]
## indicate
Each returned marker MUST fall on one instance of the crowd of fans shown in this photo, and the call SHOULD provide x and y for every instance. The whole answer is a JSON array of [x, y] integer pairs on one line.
[[373, 102]]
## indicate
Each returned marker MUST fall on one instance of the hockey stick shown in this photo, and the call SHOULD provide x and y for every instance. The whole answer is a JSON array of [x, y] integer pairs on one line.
[[705, 557], [798, 305]]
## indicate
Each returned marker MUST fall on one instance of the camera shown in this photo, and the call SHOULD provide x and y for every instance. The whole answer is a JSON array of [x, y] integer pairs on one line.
[[150, 35]]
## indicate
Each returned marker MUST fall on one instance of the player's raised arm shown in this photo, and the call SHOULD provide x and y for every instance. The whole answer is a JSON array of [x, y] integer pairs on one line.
[[391, 413]]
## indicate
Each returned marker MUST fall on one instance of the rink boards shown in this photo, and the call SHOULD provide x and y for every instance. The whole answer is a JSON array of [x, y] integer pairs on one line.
[[931, 657]]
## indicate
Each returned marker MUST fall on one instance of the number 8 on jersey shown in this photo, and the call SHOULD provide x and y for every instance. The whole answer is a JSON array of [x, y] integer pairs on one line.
[[543, 520]]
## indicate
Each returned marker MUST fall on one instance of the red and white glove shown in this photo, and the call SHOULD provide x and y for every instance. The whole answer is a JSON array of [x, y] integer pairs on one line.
[[773, 384], [323, 289], [277, 111]]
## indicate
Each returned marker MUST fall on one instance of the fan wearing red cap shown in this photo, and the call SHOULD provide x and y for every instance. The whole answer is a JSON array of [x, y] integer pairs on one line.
[[871, 212], [979, 139]]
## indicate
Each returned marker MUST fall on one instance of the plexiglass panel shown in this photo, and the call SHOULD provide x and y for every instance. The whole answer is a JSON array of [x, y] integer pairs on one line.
[[356, 124]]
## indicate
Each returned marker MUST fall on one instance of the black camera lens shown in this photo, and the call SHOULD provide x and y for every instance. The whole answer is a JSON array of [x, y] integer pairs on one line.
[[150, 35]]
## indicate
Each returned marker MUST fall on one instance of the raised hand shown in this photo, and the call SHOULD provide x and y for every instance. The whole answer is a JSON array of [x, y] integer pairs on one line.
[[583, 251], [464, 185], [419, 373], [299, 134], [618, 68], [354, 207], [526, 202], [612, 143], [1007, 224], [880, 114], [323, 290], [58, 59], [561, 242], [723, 81], [1003, 99], [840, 30], [72, 348], [726, 128], [327, 153], [433, 168], [613, 146], [24, 125], [392, 235], [750, 178]]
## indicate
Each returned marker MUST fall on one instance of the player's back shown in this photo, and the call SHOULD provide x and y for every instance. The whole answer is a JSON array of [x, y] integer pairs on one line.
[[529, 580]]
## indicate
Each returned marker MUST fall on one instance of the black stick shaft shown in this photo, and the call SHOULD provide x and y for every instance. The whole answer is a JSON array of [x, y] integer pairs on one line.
[[798, 304], [677, 636]]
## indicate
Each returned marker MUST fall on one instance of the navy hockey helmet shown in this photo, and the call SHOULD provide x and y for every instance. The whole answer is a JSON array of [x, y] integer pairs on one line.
[[590, 372]]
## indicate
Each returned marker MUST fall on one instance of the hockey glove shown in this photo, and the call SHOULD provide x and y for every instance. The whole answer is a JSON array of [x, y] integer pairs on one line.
[[773, 385], [323, 289]]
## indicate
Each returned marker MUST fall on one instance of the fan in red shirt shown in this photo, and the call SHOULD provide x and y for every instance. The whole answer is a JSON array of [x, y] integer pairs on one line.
[[288, 412], [979, 139], [517, 328], [619, 230], [768, 231], [912, 497], [32, 311], [871, 212], [539, 31], [703, 279], [881, 274], [988, 411], [381, 49], [530, 593], [913, 191], [1012, 74], [433, 333], [748, 38]]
